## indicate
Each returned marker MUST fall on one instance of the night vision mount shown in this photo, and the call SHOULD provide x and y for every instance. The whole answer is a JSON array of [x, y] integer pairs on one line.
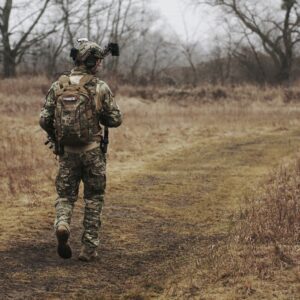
[[112, 48]]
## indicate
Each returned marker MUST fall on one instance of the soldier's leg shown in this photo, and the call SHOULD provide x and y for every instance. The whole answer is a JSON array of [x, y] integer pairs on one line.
[[94, 187], [67, 184]]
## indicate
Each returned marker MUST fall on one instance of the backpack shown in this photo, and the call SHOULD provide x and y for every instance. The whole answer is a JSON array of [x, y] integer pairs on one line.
[[75, 116]]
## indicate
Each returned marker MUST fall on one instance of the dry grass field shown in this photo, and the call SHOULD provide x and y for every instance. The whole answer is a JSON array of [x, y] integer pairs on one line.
[[202, 199]]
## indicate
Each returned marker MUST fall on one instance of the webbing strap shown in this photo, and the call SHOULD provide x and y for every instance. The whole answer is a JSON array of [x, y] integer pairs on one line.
[[85, 79]]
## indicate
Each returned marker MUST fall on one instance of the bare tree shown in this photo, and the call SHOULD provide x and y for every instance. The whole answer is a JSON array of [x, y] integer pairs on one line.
[[162, 56], [13, 52], [54, 48], [278, 32], [220, 63], [252, 60], [119, 26], [102, 24], [96, 10], [188, 49], [138, 43], [69, 13]]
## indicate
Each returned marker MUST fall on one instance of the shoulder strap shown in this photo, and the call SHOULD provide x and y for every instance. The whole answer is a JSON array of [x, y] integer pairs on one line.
[[85, 79], [64, 81]]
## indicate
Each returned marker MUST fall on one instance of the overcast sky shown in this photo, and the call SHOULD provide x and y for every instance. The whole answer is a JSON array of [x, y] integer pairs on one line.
[[203, 23], [180, 14]]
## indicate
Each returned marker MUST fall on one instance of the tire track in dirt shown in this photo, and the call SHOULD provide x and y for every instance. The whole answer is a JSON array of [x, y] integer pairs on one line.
[[155, 219]]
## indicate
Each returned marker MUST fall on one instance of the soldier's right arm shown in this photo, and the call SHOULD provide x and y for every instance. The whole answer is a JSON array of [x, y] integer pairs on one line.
[[47, 112]]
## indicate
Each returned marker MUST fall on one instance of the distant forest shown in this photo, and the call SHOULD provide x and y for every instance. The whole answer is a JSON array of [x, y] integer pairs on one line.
[[258, 42]]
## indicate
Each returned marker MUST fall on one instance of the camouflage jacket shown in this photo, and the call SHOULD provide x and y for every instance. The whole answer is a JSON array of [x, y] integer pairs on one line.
[[108, 112]]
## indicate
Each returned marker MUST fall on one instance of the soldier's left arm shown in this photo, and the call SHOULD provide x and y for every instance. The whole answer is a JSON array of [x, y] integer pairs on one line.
[[109, 112]]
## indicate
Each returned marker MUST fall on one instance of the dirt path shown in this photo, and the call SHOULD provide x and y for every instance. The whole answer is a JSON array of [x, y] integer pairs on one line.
[[155, 219]]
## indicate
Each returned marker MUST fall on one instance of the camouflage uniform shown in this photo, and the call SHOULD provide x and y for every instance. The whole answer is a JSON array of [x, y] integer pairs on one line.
[[82, 163]]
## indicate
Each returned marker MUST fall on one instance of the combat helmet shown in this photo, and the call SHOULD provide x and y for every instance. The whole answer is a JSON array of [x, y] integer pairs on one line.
[[87, 52]]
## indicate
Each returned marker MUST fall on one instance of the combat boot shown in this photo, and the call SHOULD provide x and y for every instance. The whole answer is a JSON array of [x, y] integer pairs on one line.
[[87, 254], [63, 248]]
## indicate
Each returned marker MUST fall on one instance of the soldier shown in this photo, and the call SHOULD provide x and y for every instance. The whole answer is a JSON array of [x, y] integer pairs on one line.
[[75, 108]]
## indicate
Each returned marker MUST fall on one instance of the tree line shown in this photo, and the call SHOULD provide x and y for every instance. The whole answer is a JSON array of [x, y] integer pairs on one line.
[[257, 42]]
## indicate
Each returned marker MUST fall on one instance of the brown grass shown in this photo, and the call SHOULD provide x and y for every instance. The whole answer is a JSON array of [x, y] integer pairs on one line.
[[267, 233], [213, 93], [273, 213], [26, 85], [261, 255]]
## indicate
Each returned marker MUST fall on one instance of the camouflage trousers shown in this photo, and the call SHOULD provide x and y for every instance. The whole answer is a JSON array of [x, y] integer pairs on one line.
[[89, 167]]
